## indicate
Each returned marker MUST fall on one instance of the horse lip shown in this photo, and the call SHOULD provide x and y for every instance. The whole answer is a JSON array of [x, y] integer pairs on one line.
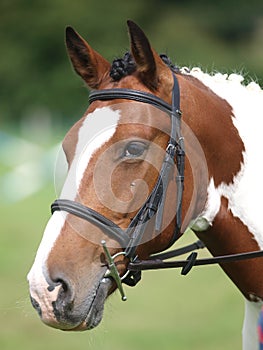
[[94, 315]]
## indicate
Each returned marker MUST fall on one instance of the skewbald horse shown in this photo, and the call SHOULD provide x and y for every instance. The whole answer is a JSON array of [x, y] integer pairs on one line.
[[114, 155]]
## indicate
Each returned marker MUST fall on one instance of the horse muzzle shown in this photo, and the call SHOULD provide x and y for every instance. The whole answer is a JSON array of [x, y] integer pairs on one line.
[[60, 307]]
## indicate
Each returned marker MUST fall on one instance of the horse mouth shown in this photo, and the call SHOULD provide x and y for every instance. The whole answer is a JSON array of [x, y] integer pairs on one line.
[[95, 312], [79, 314]]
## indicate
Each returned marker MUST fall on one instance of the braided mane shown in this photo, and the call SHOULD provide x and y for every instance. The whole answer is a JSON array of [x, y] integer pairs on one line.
[[121, 67]]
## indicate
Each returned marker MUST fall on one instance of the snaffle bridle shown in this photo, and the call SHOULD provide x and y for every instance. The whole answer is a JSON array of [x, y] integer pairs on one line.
[[131, 238]]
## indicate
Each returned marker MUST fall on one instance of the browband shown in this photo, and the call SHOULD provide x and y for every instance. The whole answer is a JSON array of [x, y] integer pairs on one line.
[[134, 95]]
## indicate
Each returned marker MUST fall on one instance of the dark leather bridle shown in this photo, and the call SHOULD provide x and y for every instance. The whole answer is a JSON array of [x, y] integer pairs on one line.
[[130, 238]]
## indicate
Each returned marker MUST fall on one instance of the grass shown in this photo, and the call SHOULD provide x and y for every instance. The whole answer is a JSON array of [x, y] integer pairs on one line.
[[200, 311]]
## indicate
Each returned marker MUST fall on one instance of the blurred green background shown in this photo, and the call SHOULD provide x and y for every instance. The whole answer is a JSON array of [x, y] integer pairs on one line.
[[40, 98]]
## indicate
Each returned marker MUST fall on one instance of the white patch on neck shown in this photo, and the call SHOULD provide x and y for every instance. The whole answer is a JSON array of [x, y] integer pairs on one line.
[[213, 202], [245, 194], [97, 128]]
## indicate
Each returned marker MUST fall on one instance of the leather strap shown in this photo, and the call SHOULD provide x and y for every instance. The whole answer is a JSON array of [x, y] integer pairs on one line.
[[128, 94], [94, 217], [155, 263]]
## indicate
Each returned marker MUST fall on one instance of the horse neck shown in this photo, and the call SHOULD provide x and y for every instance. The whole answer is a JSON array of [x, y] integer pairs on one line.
[[214, 152], [233, 228], [210, 118]]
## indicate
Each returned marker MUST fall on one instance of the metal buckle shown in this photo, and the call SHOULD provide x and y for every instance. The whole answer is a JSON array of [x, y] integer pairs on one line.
[[113, 271]]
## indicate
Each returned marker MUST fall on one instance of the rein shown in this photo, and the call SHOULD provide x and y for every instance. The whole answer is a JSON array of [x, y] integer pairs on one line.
[[130, 238], [157, 261]]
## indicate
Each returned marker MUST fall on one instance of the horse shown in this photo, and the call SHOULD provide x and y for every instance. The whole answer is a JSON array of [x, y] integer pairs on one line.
[[159, 149]]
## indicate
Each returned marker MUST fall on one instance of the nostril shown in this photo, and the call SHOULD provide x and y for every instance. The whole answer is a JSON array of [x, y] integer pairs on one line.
[[64, 285], [65, 291], [63, 301]]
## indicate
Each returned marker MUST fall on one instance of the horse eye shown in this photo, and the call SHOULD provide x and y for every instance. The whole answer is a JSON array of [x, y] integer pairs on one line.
[[134, 149]]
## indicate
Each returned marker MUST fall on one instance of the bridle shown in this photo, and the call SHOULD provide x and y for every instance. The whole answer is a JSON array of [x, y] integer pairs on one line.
[[132, 237]]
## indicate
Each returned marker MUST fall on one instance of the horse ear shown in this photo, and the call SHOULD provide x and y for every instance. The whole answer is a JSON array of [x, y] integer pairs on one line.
[[150, 66], [89, 64], [143, 56]]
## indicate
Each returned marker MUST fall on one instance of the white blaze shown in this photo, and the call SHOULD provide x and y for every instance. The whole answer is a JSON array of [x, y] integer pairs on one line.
[[97, 128]]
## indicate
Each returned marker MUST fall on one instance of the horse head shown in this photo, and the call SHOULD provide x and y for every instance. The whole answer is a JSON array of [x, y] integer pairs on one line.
[[115, 154]]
